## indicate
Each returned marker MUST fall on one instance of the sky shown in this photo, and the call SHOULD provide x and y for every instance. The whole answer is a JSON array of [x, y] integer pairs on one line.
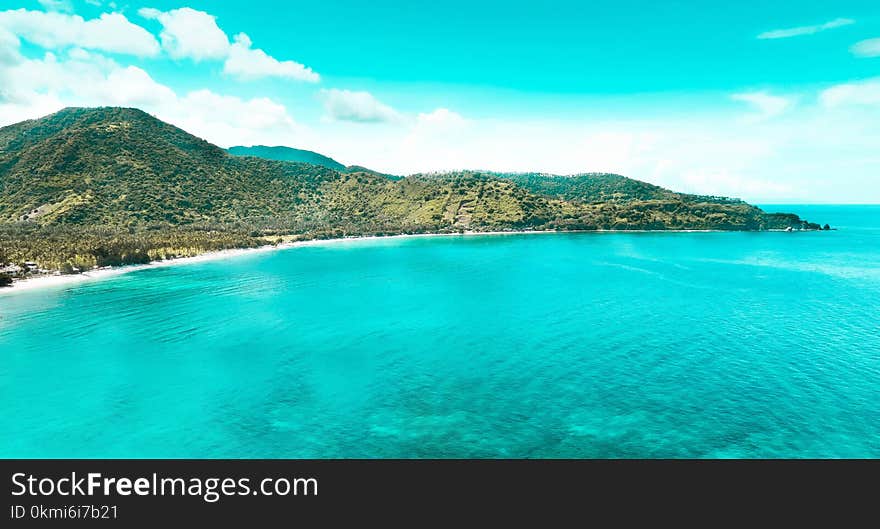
[[773, 102]]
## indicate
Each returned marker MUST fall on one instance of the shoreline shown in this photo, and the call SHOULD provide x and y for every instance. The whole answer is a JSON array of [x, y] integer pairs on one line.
[[55, 280], [58, 279]]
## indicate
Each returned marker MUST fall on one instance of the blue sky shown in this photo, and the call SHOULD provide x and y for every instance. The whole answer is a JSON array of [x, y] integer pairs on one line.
[[769, 101]]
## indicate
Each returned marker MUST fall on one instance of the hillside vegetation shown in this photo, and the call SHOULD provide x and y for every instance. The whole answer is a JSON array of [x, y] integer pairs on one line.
[[93, 187]]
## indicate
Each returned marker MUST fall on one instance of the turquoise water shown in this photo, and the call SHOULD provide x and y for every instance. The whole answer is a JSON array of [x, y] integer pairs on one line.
[[562, 345]]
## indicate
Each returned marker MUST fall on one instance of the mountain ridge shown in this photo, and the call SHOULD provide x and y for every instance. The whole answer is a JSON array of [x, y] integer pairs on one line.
[[291, 154], [286, 154]]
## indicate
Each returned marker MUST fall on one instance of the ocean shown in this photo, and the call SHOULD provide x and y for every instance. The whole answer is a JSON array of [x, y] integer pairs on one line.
[[582, 345]]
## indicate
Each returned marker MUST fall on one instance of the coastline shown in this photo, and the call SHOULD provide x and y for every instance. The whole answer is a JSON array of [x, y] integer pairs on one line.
[[57, 280], [53, 280]]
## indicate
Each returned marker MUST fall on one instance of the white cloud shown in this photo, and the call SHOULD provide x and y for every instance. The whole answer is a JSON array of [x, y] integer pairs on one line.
[[441, 118], [41, 86], [767, 105], [9, 56], [855, 93], [84, 78], [805, 30], [9, 48], [57, 5], [866, 48], [720, 182], [111, 32], [132, 86], [348, 105], [228, 120], [258, 113], [36, 87], [246, 63], [191, 34]]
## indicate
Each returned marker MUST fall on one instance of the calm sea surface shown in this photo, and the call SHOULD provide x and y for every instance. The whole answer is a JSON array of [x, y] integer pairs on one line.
[[563, 345]]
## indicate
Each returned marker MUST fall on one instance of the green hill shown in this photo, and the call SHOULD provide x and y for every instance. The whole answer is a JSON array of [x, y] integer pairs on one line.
[[91, 187], [123, 168], [287, 154]]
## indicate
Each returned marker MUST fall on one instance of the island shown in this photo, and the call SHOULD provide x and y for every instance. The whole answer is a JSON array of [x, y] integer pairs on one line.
[[87, 188]]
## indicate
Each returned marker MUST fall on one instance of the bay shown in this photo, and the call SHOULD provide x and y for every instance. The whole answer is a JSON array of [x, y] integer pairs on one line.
[[526, 346]]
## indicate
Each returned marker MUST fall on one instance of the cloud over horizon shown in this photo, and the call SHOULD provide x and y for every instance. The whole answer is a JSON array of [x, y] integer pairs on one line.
[[806, 30], [357, 106], [767, 105], [866, 48], [858, 93]]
